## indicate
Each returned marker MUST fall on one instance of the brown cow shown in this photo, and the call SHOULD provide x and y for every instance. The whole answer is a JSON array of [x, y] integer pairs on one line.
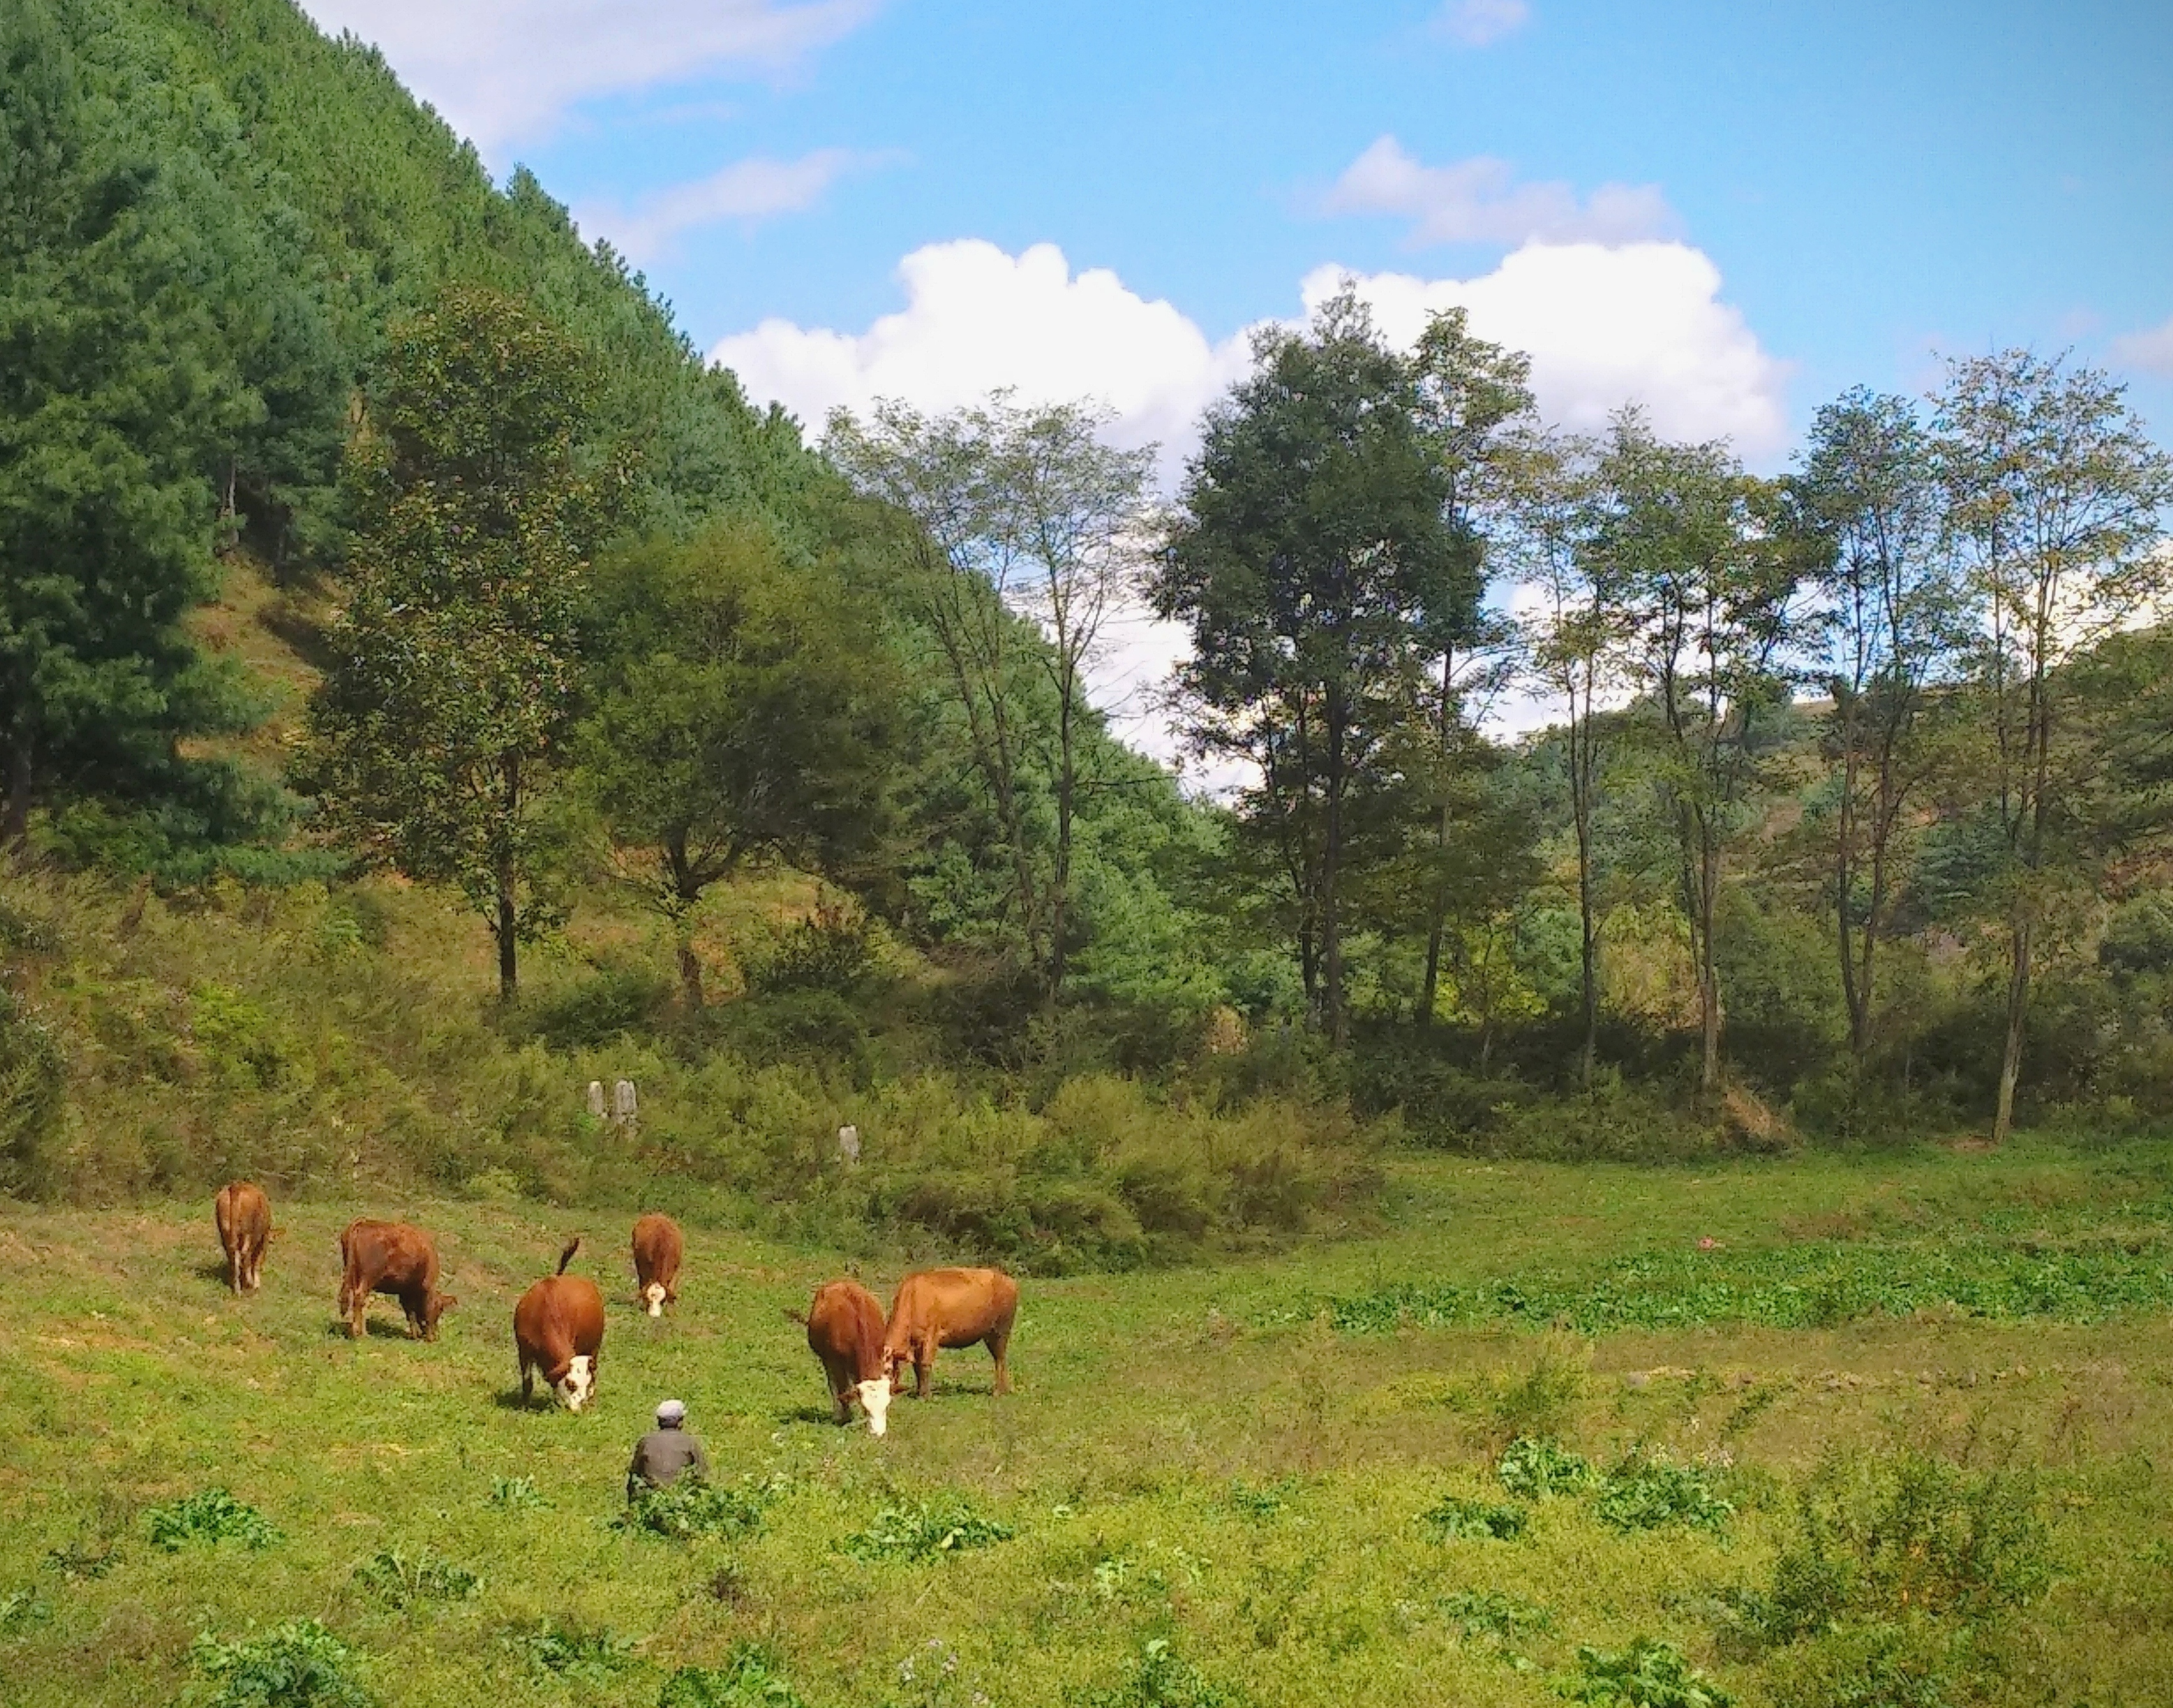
[[558, 1329], [846, 1331], [949, 1307], [390, 1257], [244, 1215], [658, 1247]]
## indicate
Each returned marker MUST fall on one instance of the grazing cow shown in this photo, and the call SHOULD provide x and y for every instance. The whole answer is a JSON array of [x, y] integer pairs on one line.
[[558, 1329], [244, 1215], [390, 1257], [658, 1248], [846, 1331], [949, 1307]]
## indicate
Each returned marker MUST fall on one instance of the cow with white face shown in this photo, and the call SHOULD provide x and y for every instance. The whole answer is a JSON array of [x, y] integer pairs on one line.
[[558, 1329], [846, 1331], [658, 1250]]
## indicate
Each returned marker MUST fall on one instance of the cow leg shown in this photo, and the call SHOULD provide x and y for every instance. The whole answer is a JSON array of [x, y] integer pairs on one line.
[[923, 1366], [236, 1273], [998, 1342], [528, 1380], [357, 1304]]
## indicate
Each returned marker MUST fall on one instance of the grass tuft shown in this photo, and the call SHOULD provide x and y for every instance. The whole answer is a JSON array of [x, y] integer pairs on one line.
[[1453, 1516], [693, 1506], [400, 1583], [1644, 1494]]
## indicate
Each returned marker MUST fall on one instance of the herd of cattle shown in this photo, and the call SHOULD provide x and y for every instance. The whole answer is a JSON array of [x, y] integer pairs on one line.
[[558, 1324]]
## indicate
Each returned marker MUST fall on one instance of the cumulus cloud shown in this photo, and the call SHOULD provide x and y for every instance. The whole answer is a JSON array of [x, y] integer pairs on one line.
[[1475, 23], [503, 70], [1642, 323], [2152, 351], [746, 189], [1479, 199]]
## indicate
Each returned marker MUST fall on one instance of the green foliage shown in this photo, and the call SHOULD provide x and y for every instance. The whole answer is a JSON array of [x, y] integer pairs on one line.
[[209, 1517], [749, 1678], [1454, 1517], [1161, 1677], [575, 1653], [1494, 1613], [517, 1494], [296, 1664], [1533, 1469], [922, 1531], [33, 1087], [693, 1506], [1647, 1674], [1644, 1494], [400, 1583], [20, 1609], [830, 950], [1263, 1502]]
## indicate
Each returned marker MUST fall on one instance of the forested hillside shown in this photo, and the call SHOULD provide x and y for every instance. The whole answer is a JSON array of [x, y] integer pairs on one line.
[[425, 686]]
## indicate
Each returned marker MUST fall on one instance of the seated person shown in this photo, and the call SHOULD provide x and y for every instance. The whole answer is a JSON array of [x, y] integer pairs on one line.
[[662, 1456]]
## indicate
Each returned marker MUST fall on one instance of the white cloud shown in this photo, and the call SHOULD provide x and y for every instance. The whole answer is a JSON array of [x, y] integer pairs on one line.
[[1604, 326], [1479, 199], [1475, 23], [2152, 351], [504, 70], [746, 189]]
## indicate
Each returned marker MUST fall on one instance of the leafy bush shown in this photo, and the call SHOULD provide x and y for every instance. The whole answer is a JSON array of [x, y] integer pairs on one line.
[[33, 1084], [831, 951], [1532, 1468], [1262, 1502], [748, 1680], [1454, 1517], [400, 1582], [20, 1609], [922, 1531], [298, 1664], [573, 1652], [1644, 1494], [1909, 1664], [693, 1506], [616, 1001], [210, 1515], [1493, 1613], [1160, 1679], [1647, 1674]]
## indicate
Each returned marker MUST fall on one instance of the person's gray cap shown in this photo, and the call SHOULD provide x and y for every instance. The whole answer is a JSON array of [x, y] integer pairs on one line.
[[672, 1411]]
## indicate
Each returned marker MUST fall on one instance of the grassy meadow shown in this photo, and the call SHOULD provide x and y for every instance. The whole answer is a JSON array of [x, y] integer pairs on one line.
[[1270, 1479]]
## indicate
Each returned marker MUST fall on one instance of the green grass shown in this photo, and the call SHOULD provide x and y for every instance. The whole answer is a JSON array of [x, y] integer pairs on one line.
[[1198, 1495]]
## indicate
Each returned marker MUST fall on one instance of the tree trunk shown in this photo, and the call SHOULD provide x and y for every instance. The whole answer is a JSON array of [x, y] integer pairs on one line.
[[1433, 970], [690, 976], [508, 963], [1061, 888], [1844, 846], [2018, 1009], [1708, 969], [1581, 782], [1331, 867]]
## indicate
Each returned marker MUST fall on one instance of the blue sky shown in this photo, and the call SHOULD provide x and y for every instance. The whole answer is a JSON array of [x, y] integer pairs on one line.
[[1727, 212]]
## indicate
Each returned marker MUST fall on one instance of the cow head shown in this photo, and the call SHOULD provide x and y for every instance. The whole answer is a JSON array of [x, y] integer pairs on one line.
[[875, 1400], [578, 1384], [440, 1304], [654, 1292]]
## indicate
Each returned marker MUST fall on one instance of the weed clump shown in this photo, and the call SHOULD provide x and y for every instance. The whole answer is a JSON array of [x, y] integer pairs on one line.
[[517, 1494], [211, 1517], [923, 1532], [20, 1609], [575, 1653], [297, 1664], [400, 1583], [1644, 1496], [692, 1506], [1263, 1502], [1161, 1679], [749, 1680], [1532, 1468], [1453, 1516], [1493, 1613], [1647, 1674]]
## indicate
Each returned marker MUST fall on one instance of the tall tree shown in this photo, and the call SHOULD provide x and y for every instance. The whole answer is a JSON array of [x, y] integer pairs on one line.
[[1708, 568], [116, 382], [439, 723], [2057, 497], [1312, 559], [1891, 614], [743, 708], [1475, 400], [1575, 641]]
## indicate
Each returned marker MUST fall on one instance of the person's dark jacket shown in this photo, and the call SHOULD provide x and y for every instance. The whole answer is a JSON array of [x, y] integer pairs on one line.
[[660, 1457]]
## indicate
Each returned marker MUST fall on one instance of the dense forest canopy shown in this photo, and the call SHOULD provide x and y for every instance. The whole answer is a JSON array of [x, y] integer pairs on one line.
[[1852, 819]]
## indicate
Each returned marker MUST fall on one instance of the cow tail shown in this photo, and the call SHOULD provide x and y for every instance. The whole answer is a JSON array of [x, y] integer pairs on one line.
[[566, 1257]]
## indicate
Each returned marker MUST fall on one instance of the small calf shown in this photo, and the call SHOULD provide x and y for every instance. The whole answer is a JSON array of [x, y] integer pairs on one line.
[[244, 1215]]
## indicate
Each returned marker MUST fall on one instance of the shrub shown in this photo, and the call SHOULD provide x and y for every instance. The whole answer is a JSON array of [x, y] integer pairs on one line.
[[517, 1494], [573, 1652], [692, 1506], [1160, 1679], [1532, 1468], [1875, 1666], [1643, 1496], [298, 1664], [1453, 1516], [210, 1515], [748, 1680], [922, 1531], [1647, 1674], [1494, 1614], [20, 1609], [400, 1582], [830, 951]]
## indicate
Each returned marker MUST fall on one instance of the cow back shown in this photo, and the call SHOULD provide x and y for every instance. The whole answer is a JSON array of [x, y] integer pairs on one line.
[[845, 1324], [658, 1249]]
